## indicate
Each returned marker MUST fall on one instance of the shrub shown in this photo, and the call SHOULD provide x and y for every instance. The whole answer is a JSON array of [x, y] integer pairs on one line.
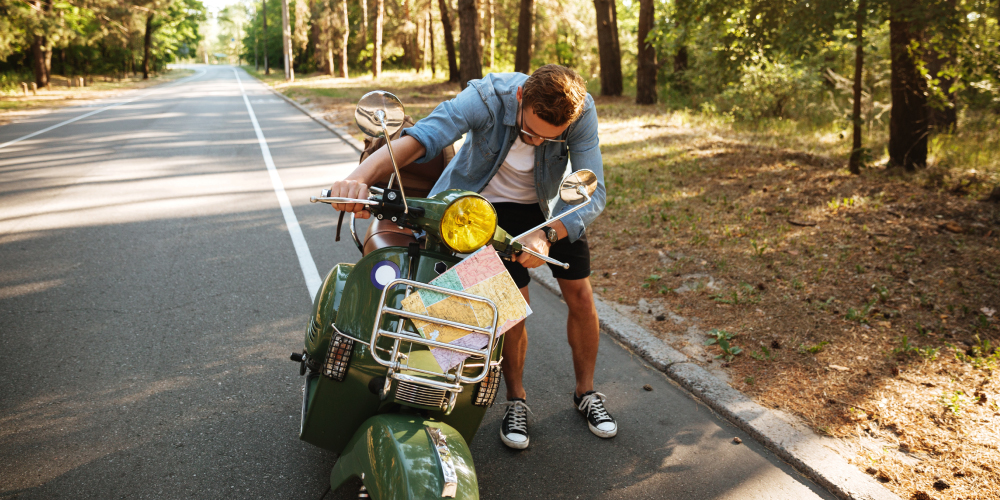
[[767, 89]]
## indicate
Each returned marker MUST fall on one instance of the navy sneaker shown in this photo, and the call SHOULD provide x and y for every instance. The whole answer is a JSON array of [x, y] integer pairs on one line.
[[591, 406]]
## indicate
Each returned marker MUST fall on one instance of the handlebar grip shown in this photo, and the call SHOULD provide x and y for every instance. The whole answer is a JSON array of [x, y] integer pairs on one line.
[[324, 193]]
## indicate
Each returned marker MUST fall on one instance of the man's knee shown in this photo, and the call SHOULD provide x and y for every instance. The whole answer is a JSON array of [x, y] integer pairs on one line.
[[578, 294]]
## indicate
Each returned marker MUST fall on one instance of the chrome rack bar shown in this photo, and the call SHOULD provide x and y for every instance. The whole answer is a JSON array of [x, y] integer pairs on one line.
[[433, 343], [437, 321], [433, 383], [399, 336]]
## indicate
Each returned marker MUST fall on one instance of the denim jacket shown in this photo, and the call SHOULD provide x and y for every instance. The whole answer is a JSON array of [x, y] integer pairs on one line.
[[487, 111]]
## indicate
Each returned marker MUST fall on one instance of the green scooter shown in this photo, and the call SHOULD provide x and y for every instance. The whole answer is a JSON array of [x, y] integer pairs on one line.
[[374, 392]]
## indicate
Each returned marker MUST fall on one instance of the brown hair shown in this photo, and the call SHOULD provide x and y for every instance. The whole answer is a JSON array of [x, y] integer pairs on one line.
[[555, 93]]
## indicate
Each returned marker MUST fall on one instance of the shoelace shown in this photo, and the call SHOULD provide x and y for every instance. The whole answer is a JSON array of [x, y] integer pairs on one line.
[[518, 412], [594, 403]]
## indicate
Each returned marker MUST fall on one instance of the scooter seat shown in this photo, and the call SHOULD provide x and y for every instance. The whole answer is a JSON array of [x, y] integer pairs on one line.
[[382, 234]]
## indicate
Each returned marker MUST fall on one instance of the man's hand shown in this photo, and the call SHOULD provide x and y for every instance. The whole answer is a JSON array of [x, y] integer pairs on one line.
[[537, 242], [350, 189], [375, 167]]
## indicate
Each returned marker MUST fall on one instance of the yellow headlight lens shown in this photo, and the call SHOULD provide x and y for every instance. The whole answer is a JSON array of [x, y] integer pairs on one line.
[[468, 224]]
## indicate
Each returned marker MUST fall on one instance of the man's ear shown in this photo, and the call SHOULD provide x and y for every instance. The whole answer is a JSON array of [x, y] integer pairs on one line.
[[520, 90]]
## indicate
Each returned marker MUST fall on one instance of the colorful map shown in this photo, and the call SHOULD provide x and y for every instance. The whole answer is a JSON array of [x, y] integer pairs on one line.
[[481, 274]]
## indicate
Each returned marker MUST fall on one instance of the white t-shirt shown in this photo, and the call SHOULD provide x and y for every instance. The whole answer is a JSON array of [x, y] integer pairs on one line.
[[515, 181]]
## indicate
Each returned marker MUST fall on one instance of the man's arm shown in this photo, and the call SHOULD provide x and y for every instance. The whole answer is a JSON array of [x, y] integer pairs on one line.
[[375, 167], [419, 143], [585, 153]]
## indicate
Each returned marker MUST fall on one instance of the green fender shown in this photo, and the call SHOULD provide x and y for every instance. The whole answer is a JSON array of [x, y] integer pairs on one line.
[[394, 456]]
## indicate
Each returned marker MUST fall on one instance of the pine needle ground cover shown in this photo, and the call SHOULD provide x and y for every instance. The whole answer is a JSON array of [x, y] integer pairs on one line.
[[868, 306]]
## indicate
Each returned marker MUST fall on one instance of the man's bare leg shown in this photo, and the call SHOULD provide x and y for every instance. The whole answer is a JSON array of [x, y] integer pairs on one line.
[[582, 330], [515, 346]]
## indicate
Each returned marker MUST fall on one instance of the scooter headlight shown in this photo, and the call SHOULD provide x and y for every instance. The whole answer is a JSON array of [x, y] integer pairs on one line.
[[468, 224]]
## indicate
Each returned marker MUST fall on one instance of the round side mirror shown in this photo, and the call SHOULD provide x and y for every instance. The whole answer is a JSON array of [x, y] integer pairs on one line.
[[377, 107], [569, 191]]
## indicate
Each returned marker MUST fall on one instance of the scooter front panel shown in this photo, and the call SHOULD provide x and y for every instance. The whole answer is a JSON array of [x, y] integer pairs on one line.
[[332, 410]]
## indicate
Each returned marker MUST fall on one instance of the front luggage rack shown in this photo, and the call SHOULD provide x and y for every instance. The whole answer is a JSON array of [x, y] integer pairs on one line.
[[397, 362]]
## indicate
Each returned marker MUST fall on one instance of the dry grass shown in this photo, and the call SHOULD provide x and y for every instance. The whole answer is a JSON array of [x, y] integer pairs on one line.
[[865, 305], [60, 94]]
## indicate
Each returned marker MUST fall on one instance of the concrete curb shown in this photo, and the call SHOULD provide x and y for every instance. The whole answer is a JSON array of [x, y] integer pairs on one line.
[[799, 447], [340, 132]]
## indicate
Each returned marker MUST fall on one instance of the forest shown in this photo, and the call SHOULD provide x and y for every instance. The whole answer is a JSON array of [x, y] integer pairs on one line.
[[109, 38], [895, 73]]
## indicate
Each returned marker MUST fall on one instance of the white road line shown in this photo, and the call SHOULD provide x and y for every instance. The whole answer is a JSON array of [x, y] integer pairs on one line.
[[71, 120], [309, 271]]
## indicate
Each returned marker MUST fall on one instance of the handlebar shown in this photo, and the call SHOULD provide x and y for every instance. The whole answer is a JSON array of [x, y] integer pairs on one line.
[[338, 200], [546, 258], [333, 200], [325, 197]]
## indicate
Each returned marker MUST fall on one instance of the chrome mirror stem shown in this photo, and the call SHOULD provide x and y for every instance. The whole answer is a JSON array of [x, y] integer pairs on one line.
[[579, 189], [392, 157]]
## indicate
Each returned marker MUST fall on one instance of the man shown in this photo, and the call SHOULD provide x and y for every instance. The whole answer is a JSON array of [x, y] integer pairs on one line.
[[522, 132]]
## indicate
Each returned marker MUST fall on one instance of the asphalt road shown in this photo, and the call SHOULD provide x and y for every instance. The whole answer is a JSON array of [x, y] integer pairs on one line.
[[152, 286]]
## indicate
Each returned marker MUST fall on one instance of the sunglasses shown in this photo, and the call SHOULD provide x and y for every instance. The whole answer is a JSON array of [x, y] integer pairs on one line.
[[534, 136]]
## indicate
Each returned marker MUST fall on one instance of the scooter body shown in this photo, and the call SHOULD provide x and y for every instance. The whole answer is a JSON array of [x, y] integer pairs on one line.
[[348, 299]]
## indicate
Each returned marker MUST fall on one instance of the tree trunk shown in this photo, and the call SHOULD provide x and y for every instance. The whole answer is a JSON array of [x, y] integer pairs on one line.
[[645, 76], [267, 68], [908, 117], [449, 42], [470, 50], [38, 48], [331, 68], [408, 53], [147, 45], [286, 40], [343, 41], [608, 48], [319, 31], [328, 37], [522, 57], [430, 36], [854, 164], [48, 61], [377, 51], [364, 23], [492, 34]]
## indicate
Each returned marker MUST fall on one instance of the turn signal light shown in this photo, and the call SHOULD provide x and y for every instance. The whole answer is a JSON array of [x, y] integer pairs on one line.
[[338, 358]]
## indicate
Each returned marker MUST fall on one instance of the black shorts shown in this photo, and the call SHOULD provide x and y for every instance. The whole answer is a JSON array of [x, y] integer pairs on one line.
[[516, 218]]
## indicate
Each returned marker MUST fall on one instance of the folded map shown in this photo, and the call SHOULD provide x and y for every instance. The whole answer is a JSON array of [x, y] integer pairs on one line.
[[481, 274]]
